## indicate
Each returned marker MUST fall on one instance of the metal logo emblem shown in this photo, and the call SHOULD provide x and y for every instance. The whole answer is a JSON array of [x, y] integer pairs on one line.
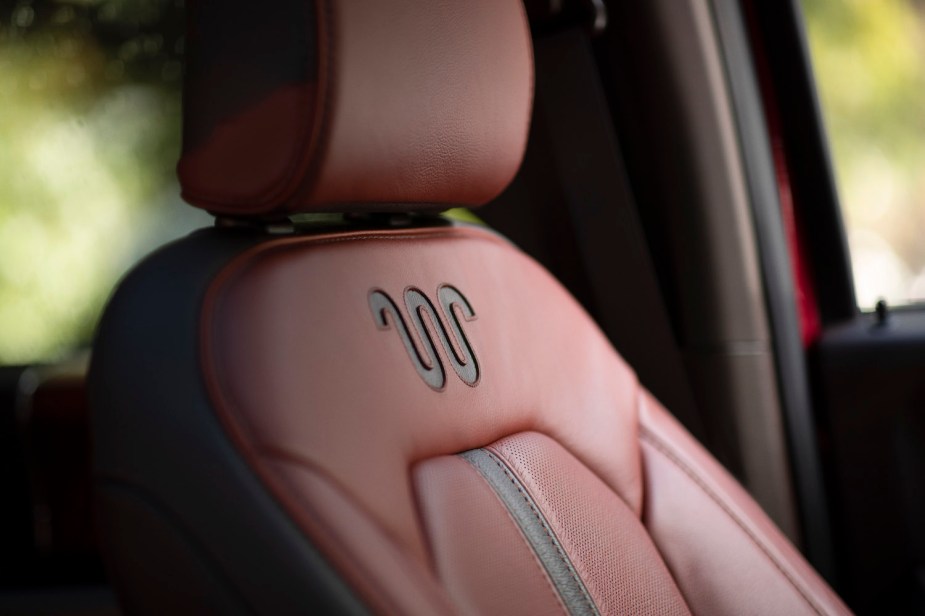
[[420, 308]]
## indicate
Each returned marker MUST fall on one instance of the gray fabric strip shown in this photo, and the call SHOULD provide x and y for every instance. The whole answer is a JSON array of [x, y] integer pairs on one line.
[[535, 528]]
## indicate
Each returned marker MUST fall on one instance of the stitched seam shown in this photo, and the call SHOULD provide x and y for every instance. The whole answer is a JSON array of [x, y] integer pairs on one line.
[[453, 234], [276, 489], [332, 531], [546, 529], [536, 559], [665, 449], [241, 437], [235, 423], [336, 240], [389, 236]]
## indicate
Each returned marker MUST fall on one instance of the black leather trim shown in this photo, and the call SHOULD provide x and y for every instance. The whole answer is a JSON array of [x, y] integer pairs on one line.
[[160, 554], [154, 430]]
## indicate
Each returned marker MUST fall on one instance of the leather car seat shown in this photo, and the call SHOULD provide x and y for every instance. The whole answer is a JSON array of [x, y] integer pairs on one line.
[[388, 412]]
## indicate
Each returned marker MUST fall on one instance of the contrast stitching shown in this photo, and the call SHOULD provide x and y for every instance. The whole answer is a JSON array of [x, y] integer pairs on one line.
[[665, 449], [451, 233], [241, 432], [336, 240], [259, 250], [235, 422], [294, 508], [321, 522], [546, 529], [536, 559]]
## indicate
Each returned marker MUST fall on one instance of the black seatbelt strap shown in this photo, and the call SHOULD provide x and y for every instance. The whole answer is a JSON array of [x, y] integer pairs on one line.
[[627, 300]]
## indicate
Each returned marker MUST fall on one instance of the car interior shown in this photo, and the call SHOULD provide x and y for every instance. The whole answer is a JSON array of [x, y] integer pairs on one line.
[[471, 306]]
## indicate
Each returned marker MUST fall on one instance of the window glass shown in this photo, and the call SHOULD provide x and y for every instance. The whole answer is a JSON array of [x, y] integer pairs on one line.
[[869, 62], [89, 136]]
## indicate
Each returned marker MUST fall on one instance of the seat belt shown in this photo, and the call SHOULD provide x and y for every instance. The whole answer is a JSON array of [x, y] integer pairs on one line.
[[627, 300]]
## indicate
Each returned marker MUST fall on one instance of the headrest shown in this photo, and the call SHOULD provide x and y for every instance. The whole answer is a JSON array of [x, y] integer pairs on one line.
[[353, 105]]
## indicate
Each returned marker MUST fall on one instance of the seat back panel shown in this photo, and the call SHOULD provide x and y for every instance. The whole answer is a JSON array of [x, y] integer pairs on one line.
[[297, 365], [292, 396], [724, 551]]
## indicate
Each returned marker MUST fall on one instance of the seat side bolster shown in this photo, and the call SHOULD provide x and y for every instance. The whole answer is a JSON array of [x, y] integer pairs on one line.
[[723, 550], [156, 434]]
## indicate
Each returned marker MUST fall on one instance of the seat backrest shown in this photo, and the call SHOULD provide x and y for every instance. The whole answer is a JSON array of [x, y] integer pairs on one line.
[[390, 414]]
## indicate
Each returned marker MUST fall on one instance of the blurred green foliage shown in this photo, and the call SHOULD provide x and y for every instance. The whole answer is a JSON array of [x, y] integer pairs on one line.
[[89, 135], [869, 62]]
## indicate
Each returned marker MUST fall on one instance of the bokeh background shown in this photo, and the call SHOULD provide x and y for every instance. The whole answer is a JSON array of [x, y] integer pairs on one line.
[[89, 136], [869, 60]]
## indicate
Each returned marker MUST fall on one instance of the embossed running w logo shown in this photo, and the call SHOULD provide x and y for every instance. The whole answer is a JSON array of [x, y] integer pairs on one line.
[[428, 363]]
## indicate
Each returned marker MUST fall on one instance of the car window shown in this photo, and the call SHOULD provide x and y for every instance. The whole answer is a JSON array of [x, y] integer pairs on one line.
[[89, 126], [869, 62]]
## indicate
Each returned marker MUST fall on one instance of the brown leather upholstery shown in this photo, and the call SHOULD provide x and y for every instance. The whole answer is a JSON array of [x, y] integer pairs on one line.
[[405, 421], [330, 412], [354, 104]]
